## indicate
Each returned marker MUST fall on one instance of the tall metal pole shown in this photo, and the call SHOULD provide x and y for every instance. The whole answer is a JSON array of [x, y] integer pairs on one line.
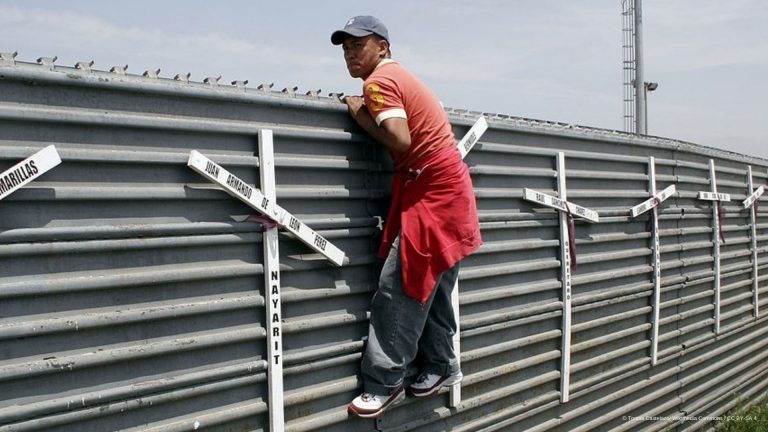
[[641, 126]]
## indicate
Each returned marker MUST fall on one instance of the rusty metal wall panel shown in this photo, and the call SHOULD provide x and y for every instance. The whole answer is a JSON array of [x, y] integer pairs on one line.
[[131, 297]]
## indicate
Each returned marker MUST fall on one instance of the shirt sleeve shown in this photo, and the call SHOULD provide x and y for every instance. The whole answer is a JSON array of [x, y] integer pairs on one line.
[[383, 101]]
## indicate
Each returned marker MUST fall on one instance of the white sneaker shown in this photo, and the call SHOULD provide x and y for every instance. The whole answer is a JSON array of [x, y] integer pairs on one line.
[[428, 384], [369, 405]]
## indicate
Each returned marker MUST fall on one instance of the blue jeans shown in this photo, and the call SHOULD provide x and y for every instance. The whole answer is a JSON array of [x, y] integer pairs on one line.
[[400, 328]]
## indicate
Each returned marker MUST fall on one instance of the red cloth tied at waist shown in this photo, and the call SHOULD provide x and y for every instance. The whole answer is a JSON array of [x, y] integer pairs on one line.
[[433, 209]]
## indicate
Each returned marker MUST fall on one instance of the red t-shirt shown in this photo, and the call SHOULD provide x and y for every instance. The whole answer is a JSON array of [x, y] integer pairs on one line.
[[433, 203], [391, 91]]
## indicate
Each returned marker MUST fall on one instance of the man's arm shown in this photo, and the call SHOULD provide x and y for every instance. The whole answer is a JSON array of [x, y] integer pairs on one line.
[[393, 133]]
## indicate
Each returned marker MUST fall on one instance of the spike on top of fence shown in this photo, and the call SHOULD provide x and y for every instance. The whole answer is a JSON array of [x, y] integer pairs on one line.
[[212, 80], [290, 91], [265, 87], [8, 59], [183, 77], [152, 74], [84, 66], [47, 62], [119, 70], [240, 83]]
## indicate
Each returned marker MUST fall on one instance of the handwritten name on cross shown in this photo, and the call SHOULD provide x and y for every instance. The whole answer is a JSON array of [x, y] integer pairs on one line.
[[561, 205], [752, 199], [256, 200], [653, 202], [717, 234], [714, 196], [472, 136], [718, 209], [28, 170]]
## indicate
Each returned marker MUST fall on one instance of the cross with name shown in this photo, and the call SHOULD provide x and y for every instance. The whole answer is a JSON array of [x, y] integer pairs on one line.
[[652, 205], [466, 144], [717, 233], [752, 200], [566, 212], [653, 202], [718, 198], [24, 172], [264, 201], [560, 204]]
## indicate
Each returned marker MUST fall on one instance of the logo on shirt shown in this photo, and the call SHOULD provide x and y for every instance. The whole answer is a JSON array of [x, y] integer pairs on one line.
[[375, 98]]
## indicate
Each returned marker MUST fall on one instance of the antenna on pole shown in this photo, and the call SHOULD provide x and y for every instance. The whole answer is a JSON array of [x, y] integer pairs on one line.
[[635, 88], [629, 64], [640, 93]]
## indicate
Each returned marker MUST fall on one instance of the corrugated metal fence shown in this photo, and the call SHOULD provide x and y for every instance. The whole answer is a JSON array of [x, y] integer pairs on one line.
[[132, 293]]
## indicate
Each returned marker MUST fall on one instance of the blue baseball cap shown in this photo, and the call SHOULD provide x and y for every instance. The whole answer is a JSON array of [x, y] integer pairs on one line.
[[360, 26]]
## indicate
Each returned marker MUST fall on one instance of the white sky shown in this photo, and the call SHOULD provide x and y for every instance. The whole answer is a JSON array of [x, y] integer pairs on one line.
[[554, 60]]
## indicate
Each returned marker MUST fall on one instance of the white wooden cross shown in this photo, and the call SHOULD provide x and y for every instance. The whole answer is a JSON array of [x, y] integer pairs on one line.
[[652, 204], [566, 210], [264, 201], [19, 175], [751, 203], [465, 145], [717, 234]]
